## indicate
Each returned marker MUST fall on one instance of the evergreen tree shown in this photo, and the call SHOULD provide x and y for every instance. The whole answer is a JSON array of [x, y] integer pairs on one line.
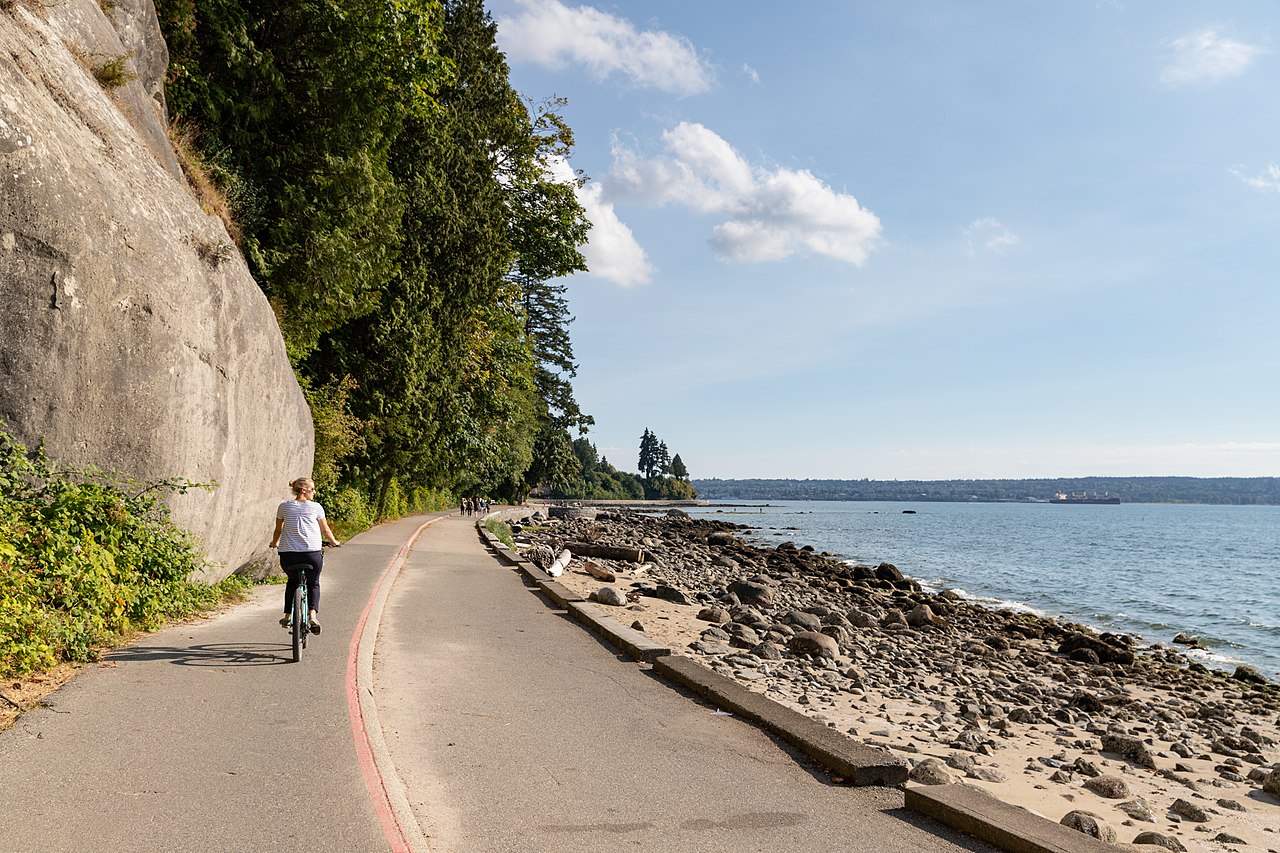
[[662, 458], [648, 453], [678, 469]]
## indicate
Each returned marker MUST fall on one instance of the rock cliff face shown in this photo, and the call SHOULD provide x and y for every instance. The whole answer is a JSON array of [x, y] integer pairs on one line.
[[132, 336]]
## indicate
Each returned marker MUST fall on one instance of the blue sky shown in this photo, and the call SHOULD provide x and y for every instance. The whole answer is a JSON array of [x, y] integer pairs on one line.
[[930, 240]]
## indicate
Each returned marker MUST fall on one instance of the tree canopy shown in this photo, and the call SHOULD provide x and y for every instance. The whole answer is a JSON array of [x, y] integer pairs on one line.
[[405, 211]]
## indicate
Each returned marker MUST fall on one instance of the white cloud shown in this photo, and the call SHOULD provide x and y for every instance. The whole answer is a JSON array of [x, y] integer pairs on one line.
[[1207, 56], [991, 233], [1268, 181], [751, 74], [549, 33], [611, 252], [773, 213]]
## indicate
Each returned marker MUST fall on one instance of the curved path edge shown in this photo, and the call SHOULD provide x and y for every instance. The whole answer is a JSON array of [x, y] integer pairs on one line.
[[386, 791]]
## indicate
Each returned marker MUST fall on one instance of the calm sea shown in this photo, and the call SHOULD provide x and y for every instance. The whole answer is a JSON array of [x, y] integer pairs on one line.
[[1147, 569]]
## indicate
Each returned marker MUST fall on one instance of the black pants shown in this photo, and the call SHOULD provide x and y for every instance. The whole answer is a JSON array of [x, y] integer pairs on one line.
[[295, 563]]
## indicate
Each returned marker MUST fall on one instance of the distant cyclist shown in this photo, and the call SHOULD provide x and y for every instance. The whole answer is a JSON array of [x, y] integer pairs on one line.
[[299, 525]]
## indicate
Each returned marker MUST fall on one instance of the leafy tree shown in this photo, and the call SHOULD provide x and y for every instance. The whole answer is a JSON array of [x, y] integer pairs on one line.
[[299, 103]]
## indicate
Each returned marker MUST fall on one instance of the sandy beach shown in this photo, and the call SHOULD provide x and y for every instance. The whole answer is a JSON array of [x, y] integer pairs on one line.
[[1043, 714]]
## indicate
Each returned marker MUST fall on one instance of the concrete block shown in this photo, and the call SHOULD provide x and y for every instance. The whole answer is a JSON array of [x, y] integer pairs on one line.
[[976, 812], [634, 643]]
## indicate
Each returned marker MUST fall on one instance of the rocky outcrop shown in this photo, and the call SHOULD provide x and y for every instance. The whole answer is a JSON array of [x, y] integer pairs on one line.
[[134, 338]]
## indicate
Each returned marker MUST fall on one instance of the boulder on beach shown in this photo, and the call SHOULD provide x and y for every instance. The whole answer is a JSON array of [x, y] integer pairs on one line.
[[931, 771], [813, 644], [1271, 785], [1158, 839], [714, 614], [889, 572], [1111, 787], [752, 593], [1130, 747], [1249, 675], [609, 595], [1090, 824], [1106, 652], [1188, 810]]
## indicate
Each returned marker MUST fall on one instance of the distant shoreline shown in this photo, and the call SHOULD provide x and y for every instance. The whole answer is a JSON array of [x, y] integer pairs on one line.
[[1259, 491]]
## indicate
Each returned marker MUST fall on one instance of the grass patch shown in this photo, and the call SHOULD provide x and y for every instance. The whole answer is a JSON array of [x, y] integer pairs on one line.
[[208, 183], [501, 530], [111, 72]]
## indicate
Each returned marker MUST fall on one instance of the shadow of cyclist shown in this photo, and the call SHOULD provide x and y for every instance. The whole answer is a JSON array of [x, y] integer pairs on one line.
[[210, 654]]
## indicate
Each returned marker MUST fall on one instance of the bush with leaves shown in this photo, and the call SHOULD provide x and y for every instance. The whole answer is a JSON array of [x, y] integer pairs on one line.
[[85, 558]]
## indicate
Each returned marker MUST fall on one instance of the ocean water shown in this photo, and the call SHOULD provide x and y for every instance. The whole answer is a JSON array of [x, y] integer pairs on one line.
[[1147, 569]]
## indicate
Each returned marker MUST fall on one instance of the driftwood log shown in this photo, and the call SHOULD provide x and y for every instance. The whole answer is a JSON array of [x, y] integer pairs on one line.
[[606, 552]]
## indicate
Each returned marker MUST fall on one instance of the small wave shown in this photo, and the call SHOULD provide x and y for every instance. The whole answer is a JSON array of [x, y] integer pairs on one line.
[[998, 603], [1214, 658]]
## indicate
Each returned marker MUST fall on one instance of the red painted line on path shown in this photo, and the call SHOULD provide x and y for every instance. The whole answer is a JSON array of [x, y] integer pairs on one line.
[[387, 817]]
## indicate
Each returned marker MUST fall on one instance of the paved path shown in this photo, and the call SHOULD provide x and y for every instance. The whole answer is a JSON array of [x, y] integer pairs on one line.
[[185, 740], [513, 729]]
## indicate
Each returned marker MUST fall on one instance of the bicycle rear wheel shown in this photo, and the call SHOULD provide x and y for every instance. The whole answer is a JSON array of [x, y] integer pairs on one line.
[[298, 626]]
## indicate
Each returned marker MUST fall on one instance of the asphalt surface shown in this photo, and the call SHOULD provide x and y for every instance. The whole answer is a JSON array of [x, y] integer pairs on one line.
[[506, 727], [513, 729], [205, 736]]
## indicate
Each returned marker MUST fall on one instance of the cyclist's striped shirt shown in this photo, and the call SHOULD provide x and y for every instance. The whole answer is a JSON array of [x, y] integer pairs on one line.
[[301, 531]]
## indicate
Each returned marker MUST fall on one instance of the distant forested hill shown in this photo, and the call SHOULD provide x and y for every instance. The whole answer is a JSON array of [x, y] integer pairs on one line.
[[1211, 490]]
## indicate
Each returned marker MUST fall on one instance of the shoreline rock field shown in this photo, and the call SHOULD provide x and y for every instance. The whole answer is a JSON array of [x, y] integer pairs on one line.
[[1132, 744]]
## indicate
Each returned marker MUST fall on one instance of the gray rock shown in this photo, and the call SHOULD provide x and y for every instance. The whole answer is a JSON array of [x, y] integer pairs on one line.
[[1231, 805], [813, 644], [714, 614], [921, 615], [799, 619], [862, 619], [893, 617], [1111, 787], [1188, 811], [134, 337], [767, 651], [610, 595], [752, 593], [1138, 809], [931, 771], [1228, 838], [1158, 839], [1271, 784], [670, 593], [1090, 824], [1130, 747]]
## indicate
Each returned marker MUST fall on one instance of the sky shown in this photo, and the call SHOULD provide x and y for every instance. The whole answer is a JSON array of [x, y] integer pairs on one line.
[[922, 240]]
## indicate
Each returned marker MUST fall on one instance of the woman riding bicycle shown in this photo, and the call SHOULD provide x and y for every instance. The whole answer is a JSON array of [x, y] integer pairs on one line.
[[299, 525]]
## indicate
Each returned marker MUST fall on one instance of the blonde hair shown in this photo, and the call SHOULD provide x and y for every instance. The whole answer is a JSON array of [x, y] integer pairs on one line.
[[302, 483]]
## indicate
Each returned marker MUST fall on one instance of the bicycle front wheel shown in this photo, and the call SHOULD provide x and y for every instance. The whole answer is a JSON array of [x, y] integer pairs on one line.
[[299, 624]]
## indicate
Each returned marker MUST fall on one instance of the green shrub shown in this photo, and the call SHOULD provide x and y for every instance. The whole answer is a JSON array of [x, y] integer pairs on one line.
[[348, 511], [501, 530], [86, 558]]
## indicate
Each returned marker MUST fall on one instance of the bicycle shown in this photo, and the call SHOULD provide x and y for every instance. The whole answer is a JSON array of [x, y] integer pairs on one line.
[[300, 616]]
